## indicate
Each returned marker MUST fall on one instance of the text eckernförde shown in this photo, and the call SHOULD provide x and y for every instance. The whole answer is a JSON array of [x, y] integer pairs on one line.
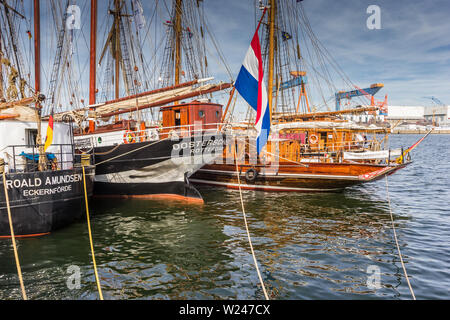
[[49, 181]]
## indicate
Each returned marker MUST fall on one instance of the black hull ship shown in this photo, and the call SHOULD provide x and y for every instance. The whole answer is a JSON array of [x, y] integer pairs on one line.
[[154, 169], [42, 185], [42, 202]]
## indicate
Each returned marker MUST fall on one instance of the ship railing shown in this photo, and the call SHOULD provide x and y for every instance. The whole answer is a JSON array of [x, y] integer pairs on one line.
[[353, 145], [23, 158], [302, 154], [336, 145]]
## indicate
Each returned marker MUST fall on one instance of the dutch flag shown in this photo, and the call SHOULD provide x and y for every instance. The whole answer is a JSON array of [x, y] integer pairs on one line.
[[250, 84]]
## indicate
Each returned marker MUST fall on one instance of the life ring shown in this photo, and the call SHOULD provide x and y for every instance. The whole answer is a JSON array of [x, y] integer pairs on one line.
[[129, 137], [313, 139], [251, 175]]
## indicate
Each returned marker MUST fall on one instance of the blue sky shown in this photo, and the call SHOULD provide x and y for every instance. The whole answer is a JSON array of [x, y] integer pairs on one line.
[[410, 54]]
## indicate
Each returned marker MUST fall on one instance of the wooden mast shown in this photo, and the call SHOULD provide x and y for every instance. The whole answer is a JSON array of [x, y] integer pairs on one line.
[[117, 50], [37, 47], [117, 46], [1, 68], [178, 31], [37, 81], [272, 16], [93, 54], [93, 61]]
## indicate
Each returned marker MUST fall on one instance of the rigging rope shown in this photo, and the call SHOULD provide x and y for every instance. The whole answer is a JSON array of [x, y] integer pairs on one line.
[[13, 238], [396, 240], [248, 232]]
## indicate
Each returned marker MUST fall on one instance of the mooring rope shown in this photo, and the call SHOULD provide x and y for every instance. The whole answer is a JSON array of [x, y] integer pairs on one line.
[[90, 236], [13, 238], [248, 232], [396, 240], [107, 152]]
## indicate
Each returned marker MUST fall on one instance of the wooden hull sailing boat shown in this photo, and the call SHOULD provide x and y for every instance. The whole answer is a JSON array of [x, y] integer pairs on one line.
[[306, 151], [42, 185]]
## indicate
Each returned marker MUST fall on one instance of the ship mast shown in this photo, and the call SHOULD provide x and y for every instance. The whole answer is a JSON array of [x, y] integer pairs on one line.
[[37, 47], [178, 30], [117, 46], [1, 68], [93, 61], [93, 54], [37, 80], [272, 15]]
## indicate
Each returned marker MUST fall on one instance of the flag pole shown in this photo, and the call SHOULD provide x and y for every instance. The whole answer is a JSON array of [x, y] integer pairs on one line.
[[37, 81], [400, 159], [272, 16]]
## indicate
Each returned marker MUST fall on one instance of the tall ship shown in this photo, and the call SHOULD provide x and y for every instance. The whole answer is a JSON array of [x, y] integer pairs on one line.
[[293, 138], [143, 134], [43, 185]]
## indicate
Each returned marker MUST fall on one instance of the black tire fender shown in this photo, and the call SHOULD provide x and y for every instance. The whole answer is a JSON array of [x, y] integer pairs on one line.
[[251, 175]]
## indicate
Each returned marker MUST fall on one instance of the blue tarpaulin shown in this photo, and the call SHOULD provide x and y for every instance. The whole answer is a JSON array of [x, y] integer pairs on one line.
[[35, 157]]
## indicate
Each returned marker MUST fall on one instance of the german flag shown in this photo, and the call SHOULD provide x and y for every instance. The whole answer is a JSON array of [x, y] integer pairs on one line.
[[49, 138]]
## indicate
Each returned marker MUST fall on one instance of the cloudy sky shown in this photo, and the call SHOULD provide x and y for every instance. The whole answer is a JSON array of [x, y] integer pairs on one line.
[[410, 54]]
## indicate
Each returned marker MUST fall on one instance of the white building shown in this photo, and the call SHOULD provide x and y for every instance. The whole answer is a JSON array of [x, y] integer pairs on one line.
[[438, 114], [407, 113]]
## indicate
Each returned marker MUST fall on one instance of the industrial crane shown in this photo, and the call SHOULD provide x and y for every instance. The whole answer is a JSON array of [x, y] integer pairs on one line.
[[436, 101], [370, 92]]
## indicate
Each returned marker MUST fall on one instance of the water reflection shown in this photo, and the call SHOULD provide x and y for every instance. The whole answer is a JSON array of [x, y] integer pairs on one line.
[[324, 240], [309, 246]]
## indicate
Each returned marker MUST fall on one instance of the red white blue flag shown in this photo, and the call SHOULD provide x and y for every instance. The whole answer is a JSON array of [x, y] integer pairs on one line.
[[250, 84]]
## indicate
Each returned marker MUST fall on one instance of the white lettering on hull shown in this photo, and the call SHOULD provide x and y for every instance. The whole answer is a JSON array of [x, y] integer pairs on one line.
[[60, 184]]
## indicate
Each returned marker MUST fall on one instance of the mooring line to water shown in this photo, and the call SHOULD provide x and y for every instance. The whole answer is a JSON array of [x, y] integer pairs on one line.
[[248, 232], [396, 240], [90, 236], [13, 238]]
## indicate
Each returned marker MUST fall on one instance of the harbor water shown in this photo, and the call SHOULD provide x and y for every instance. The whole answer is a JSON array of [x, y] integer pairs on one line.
[[309, 246]]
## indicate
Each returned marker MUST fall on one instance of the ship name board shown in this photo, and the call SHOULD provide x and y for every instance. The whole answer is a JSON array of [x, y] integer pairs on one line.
[[51, 185]]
